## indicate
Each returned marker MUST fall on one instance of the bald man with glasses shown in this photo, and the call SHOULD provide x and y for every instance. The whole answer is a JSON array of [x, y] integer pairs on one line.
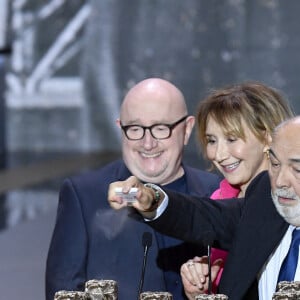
[[92, 241]]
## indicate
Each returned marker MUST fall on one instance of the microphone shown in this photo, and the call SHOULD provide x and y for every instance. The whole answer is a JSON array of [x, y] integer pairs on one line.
[[146, 242], [208, 240]]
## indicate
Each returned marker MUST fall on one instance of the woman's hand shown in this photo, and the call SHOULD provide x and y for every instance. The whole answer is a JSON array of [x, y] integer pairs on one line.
[[195, 275]]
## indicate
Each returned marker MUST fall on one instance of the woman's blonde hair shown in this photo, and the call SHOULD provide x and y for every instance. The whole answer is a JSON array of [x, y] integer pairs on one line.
[[261, 107]]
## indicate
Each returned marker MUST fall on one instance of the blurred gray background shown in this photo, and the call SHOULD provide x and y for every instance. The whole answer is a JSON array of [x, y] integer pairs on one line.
[[65, 66]]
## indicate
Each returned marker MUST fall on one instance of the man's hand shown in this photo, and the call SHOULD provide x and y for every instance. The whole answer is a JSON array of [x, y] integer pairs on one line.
[[145, 197]]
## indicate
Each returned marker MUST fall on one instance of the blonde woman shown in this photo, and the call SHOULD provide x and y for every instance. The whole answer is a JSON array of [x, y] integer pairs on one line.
[[234, 125]]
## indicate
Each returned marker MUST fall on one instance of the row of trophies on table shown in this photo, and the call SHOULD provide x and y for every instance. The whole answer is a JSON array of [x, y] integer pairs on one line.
[[287, 290], [108, 290]]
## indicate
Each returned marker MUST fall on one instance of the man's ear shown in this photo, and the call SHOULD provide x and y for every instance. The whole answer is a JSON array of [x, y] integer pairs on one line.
[[189, 125]]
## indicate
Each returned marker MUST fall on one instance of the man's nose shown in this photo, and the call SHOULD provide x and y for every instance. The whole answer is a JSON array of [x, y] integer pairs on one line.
[[148, 140], [283, 178]]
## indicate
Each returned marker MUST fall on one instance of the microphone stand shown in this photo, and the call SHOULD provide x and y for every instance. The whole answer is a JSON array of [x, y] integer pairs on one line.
[[208, 240], [147, 242], [209, 269]]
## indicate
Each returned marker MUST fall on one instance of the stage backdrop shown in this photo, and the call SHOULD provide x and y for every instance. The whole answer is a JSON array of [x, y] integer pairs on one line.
[[197, 44]]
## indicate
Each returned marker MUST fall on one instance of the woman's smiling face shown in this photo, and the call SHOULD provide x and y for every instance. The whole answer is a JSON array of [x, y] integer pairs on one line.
[[239, 160]]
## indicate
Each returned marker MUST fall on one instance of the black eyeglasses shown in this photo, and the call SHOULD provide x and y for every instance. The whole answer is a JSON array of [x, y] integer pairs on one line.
[[158, 131]]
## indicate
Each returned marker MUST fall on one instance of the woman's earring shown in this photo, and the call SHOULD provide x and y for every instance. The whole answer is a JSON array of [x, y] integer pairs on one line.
[[267, 151]]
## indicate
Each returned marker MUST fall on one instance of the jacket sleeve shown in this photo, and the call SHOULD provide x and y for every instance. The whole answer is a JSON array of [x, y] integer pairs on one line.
[[67, 251], [196, 219]]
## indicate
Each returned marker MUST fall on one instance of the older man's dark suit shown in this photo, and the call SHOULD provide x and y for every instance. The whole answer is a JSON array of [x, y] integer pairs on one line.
[[92, 241], [250, 228]]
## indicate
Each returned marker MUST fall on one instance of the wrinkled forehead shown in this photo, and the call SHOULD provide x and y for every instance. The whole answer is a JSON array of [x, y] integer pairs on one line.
[[286, 143]]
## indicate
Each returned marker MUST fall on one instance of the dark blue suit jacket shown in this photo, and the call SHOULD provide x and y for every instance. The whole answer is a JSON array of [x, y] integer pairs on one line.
[[92, 241]]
